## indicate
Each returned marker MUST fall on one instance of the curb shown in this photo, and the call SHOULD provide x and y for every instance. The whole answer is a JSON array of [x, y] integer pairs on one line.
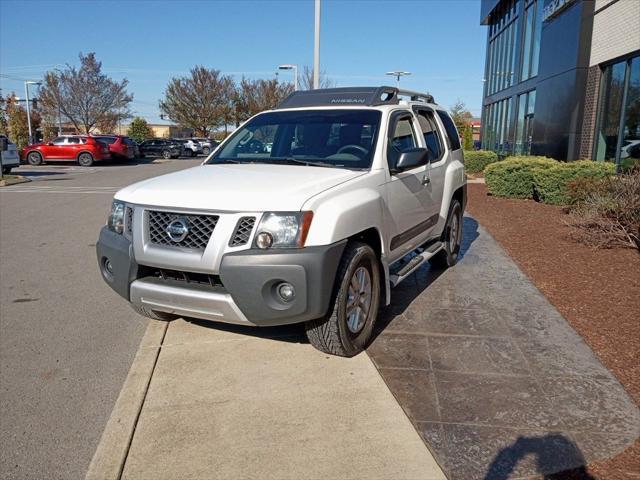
[[110, 456], [14, 181]]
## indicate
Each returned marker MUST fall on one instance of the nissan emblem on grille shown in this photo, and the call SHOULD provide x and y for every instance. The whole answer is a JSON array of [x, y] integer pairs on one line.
[[178, 230]]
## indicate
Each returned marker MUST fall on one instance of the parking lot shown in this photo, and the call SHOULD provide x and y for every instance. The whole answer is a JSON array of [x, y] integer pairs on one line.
[[472, 373], [67, 341]]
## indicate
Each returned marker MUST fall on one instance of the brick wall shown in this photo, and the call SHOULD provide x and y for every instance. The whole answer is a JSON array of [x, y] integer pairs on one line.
[[590, 112], [616, 30]]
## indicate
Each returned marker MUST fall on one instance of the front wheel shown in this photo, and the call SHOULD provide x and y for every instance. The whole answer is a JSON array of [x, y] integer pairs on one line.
[[34, 158], [166, 154], [347, 328], [85, 159], [206, 150], [451, 238]]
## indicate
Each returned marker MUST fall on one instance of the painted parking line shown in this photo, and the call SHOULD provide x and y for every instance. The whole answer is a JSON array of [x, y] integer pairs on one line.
[[55, 189]]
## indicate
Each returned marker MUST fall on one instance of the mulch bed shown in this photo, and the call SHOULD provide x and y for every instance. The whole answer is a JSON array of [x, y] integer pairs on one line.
[[596, 290]]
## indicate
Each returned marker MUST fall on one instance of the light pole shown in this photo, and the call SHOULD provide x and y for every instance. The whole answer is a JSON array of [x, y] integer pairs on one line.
[[316, 48], [398, 74], [295, 73], [26, 96]]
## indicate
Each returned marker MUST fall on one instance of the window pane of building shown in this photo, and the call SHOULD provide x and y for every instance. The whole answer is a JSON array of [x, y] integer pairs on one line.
[[522, 107], [537, 32], [631, 125], [612, 93], [526, 48]]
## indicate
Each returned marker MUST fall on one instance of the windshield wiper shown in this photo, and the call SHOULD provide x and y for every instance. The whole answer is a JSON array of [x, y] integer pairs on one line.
[[218, 161], [299, 161]]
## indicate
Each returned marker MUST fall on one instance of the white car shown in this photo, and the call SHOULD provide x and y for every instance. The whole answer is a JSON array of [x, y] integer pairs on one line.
[[358, 189], [207, 144], [9, 158], [191, 147]]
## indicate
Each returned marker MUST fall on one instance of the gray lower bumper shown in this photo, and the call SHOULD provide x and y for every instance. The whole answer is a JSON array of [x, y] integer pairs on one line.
[[250, 280]]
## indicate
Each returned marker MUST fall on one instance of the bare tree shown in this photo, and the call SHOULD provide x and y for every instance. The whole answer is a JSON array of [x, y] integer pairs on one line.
[[306, 80], [85, 95], [254, 96], [202, 101]]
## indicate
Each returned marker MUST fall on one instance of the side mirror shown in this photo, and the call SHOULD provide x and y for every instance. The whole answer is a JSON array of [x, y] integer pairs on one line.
[[411, 159], [50, 144], [4, 144]]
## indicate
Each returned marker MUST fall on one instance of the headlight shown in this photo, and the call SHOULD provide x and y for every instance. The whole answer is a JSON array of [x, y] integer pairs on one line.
[[116, 217], [283, 230]]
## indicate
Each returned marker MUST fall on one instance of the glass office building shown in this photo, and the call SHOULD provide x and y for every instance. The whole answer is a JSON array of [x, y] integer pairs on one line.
[[562, 78]]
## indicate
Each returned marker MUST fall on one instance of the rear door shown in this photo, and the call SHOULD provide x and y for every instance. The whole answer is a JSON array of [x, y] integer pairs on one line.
[[72, 147], [438, 156], [409, 201]]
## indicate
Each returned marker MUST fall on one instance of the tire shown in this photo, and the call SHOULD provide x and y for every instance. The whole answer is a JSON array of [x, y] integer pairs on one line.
[[6, 170], [451, 237], [166, 154], [34, 158], [85, 159], [206, 150], [338, 333], [153, 314]]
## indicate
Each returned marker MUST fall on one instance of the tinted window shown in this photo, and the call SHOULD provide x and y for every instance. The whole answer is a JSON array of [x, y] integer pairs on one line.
[[58, 141], [337, 138], [108, 140], [452, 132], [401, 138], [73, 140], [430, 133]]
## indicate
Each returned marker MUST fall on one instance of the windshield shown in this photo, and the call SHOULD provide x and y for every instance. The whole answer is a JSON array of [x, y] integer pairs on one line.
[[333, 138]]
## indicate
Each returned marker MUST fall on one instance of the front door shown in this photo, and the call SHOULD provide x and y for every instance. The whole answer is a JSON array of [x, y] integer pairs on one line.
[[408, 198]]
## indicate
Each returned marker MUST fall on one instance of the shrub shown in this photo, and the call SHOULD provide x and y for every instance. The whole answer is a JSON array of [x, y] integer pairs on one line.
[[513, 177], [476, 160], [607, 211], [551, 185]]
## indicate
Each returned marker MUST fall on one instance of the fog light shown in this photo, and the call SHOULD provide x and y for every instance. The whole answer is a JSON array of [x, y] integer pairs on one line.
[[107, 265], [264, 240], [286, 292]]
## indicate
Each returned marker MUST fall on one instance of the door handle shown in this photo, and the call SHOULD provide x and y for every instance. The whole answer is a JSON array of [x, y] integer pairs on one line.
[[426, 180]]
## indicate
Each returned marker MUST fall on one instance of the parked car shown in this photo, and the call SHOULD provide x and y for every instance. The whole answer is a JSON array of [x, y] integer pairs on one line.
[[84, 149], [349, 202], [9, 158], [207, 144], [120, 147], [161, 147], [191, 147]]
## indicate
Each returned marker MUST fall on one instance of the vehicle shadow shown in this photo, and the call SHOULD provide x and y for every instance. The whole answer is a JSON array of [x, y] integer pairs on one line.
[[284, 333], [404, 294], [552, 452]]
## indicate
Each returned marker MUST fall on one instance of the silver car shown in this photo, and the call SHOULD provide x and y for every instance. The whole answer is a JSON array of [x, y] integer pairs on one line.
[[10, 158]]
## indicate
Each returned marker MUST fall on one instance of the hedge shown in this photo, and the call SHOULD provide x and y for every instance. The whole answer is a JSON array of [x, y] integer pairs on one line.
[[476, 160], [513, 177], [552, 184]]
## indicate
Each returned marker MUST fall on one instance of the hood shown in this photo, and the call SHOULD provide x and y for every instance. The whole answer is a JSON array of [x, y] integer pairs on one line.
[[237, 187]]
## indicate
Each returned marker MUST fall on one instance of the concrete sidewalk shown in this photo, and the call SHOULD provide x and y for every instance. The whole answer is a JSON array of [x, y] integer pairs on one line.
[[224, 403]]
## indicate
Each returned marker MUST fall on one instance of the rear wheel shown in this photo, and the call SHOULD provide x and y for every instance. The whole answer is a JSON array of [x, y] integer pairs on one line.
[[154, 314], [166, 154], [206, 150], [34, 158], [451, 238], [6, 170], [85, 159], [347, 328]]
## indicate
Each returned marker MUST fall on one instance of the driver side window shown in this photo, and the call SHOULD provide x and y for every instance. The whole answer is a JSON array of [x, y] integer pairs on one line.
[[59, 141], [401, 138]]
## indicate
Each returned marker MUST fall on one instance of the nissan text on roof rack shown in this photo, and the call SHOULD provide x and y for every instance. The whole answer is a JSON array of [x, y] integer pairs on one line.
[[311, 212]]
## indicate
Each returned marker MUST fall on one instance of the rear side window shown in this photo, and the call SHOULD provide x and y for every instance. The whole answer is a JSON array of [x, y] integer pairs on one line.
[[108, 140], [430, 133], [452, 132]]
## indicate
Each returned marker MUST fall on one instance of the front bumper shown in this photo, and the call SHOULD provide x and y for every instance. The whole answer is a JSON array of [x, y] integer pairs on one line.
[[247, 294]]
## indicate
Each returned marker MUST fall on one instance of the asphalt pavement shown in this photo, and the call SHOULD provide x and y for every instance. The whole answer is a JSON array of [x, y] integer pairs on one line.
[[66, 340]]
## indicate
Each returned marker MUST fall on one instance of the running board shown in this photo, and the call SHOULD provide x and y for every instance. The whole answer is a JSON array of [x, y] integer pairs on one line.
[[413, 264]]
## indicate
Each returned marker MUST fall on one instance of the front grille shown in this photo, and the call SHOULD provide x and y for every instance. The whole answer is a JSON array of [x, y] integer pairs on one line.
[[242, 232], [200, 229], [180, 276], [128, 221]]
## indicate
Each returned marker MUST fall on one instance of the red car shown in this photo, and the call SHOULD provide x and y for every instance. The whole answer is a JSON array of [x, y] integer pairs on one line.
[[119, 146], [82, 148]]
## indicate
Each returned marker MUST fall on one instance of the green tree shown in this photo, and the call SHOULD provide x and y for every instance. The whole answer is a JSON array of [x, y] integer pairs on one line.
[[202, 101], [460, 115], [17, 123], [467, 137], [85, 95], [4, 127], [139, 130]]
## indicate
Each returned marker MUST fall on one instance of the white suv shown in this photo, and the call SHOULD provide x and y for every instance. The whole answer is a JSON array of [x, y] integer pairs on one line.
[[359, 188]]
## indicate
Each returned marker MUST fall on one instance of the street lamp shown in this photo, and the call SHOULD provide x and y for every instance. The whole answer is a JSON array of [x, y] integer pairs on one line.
[[398, 74], [26, 95], [295, 73]]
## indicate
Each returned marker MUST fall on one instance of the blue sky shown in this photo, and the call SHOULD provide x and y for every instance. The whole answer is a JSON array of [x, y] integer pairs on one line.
[[148, 42]]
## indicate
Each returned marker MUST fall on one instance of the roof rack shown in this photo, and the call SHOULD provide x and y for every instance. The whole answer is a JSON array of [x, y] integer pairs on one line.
[[364, 96]]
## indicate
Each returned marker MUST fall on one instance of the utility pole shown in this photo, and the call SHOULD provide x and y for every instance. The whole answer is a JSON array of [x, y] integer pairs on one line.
[[316, 49], [26, 96]]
